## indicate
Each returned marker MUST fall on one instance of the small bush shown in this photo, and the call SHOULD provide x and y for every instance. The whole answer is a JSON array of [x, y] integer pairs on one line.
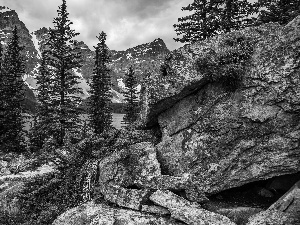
[[227, 63]]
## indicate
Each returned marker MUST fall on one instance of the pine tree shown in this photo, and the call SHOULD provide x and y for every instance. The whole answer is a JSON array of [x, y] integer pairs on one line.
[[212, 17], [131, 98], [201, 25], [12, 121], [1, 92], [64, 93], [43, 118], [281, 11], [100, 113]]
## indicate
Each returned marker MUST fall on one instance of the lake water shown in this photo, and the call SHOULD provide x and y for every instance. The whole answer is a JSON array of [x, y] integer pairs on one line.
[[116, 121]]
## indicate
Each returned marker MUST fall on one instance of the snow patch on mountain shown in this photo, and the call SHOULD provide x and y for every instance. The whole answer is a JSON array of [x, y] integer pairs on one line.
[[138, 88], [28, 85], [117, 97], [4, 9], [82, 84], [129, 56], [121, 83], [36, 44]]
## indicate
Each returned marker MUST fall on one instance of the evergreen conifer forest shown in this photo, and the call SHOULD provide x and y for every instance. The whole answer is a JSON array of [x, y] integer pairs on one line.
[[206, 133]]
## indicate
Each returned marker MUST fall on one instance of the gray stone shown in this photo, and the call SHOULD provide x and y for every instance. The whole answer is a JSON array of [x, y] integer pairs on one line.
[[129, 198], [144, 161], [188, 212], [272, 217], [139, 166], [289, 202], [95, 214], [155, 209], [227, 139], [115, 168], [163, 182], [195, 195], [237, 214]]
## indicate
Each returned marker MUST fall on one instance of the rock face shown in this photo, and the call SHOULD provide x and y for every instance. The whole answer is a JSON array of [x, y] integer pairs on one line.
[[272, 217], [190, 213], [224, 138], [123, 197], [132, 178], [8, 19], [289, 203], [92, 214], [138, 167]]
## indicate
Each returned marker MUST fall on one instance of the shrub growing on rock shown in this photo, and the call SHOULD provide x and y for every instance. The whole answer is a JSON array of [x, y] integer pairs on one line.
[[227, 63]]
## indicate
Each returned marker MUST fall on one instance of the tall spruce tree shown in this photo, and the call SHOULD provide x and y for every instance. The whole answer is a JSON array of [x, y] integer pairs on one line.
[[2, 100], [281, 11], [12, 121], [64, 57], [2, 105], [100, 113], [43, 118], [131, 98], [201, 24], [212, 17]]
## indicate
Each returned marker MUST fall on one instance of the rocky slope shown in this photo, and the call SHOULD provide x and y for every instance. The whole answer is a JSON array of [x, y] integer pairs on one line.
[[8, 19]]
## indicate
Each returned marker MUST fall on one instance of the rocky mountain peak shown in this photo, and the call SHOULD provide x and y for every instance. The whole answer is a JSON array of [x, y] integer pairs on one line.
[[8, 19], [148, 56], [148, 50]]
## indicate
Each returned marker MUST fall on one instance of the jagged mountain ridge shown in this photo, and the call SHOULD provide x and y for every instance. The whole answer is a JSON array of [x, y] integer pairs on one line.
[[8, 19], [148, 56], [144, 57]]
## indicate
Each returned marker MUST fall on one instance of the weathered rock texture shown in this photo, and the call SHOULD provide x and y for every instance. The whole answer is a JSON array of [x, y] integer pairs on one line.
[[272, 217], [128, 198], [96, 214], [138, 168], [224, 138], [284, 211], [190, 213]]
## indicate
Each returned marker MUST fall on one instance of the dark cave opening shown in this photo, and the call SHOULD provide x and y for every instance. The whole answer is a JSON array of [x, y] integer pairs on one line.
[[258, 194]]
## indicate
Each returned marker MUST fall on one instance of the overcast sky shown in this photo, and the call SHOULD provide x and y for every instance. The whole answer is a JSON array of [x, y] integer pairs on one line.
[[126, 22]]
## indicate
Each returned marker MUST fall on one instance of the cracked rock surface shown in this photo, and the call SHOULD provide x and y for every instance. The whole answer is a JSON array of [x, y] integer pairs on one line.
[[227, 139], [95, 214], [190, 213]]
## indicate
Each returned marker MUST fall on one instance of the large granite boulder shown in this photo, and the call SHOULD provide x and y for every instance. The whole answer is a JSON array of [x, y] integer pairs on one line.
[[190, 213], [96, 214], [129, 198], [225, 138], [272, 217], [133, 171]]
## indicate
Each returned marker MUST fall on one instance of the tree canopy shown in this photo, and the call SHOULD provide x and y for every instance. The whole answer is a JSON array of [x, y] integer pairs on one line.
[[212, 17]]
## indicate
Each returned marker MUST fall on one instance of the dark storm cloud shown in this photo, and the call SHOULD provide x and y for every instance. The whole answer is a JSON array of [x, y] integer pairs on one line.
[[126, 22]]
